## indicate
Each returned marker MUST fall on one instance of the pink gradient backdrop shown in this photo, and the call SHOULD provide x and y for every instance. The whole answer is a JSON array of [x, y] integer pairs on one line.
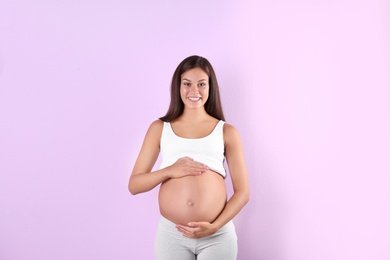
[[305, 82]]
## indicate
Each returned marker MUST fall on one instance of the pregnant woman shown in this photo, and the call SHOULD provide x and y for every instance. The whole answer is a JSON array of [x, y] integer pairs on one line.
[[193, 140]]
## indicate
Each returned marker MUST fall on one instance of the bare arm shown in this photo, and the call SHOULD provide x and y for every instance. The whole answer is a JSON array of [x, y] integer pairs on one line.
[[239, 176], [142, 178]]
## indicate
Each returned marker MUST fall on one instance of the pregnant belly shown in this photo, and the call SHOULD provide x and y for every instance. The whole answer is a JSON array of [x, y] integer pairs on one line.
[[193, 198]]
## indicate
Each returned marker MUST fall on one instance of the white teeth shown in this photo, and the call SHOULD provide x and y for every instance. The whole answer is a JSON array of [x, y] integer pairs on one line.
[[194, 98]]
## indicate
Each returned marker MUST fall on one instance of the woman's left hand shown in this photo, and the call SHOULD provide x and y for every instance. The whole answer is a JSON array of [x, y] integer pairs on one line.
[[197, 229]]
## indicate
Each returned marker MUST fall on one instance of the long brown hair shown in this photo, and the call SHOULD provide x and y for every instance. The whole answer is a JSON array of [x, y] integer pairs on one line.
[[213, 104]]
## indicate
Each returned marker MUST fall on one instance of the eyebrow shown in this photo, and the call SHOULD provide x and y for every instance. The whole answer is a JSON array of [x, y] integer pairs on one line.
[[190, 80]]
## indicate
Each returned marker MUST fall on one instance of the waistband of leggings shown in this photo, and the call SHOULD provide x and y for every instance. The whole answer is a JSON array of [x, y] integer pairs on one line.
[[167, 223]]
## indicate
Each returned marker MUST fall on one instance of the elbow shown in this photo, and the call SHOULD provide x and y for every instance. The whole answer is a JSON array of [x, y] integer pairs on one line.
[[133, 192], [132, 189], [242, 196], [246, 197]]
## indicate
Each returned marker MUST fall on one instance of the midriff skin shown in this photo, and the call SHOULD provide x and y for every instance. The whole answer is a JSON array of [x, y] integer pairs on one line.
[[193, 198]]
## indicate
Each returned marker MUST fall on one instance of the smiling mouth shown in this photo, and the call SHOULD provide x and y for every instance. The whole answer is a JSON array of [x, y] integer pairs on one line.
[[194, 98]]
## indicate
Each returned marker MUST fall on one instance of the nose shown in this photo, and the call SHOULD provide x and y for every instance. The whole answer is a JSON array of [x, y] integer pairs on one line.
[[194, 88]]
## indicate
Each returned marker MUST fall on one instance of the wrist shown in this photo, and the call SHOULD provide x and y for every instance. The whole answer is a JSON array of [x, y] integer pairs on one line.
[[167, 173], [216, 226]]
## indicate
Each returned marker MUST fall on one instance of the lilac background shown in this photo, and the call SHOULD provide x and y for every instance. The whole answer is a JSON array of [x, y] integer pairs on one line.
[[305, 82]]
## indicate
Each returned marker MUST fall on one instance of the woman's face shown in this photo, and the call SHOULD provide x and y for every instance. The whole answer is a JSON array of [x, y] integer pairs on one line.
[[194, 88]]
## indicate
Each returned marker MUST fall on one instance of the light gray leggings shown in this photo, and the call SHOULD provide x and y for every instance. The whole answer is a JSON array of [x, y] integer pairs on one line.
[[171, 244]]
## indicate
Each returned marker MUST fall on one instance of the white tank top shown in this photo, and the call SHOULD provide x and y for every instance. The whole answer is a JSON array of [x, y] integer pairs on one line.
[[209, 150]]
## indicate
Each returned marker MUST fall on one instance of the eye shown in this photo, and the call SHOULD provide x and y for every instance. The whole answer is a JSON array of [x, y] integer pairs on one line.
[[187, 84], [202, 84]]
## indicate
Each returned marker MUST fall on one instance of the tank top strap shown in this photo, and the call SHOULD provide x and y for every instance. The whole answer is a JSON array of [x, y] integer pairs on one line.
[[219, 127], [167, 129]]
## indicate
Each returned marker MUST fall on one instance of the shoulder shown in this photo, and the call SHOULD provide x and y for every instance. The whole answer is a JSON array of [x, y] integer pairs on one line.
[[229, 129], [157, 124], [155, 129], [230, 133]]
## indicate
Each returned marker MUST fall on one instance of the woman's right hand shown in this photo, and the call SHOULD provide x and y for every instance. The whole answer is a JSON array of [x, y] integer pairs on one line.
[[186, 166]]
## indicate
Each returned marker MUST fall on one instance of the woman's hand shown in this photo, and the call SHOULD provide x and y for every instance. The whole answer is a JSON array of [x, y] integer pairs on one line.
[[186, 166], [197, 229]]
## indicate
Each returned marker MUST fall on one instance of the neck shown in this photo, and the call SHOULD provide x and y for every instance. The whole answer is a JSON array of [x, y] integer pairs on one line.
[[198, 114]]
